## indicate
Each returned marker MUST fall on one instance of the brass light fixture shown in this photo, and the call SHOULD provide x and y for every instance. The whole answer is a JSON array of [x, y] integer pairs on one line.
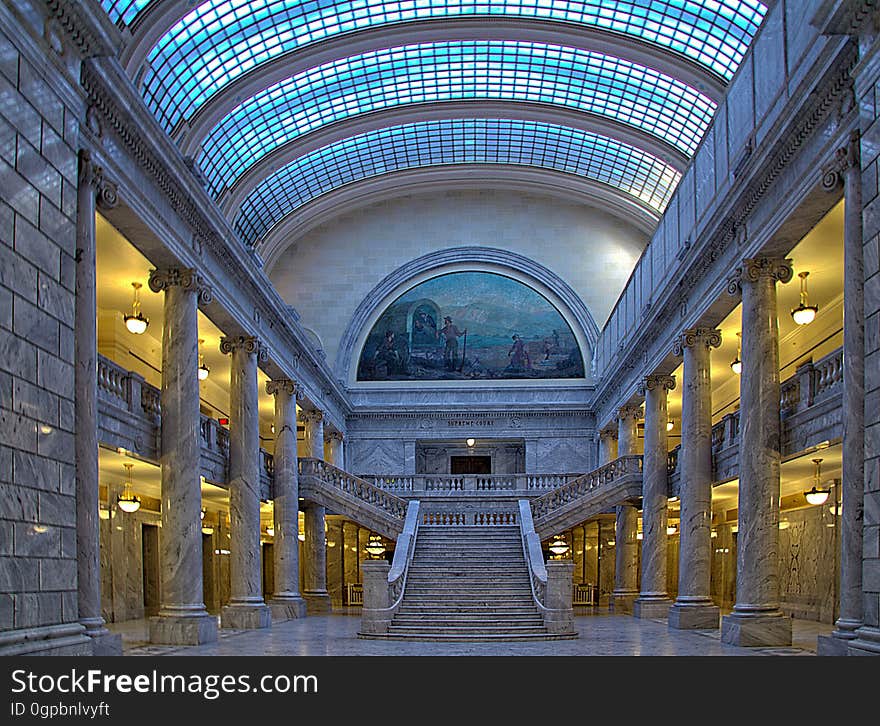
[[270, 531], [136, 322], [375, 547], [736, 365], [816, 495], [804, 314], [671, 529], [204, 371], [670, 424], [558, 547], [127, 501]]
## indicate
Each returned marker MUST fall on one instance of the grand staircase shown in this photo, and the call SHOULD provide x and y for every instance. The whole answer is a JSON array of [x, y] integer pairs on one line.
[[468, 584]]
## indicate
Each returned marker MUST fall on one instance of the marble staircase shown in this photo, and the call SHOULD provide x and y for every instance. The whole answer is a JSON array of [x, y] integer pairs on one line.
[[468, 583]]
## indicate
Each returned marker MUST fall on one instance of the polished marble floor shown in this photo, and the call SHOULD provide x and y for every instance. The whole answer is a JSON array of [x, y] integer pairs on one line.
[[601, 633]]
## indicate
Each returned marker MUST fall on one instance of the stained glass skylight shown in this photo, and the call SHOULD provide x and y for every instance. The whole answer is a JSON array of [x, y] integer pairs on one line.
[[461, 141], [464, 70], [122, 12], [219, 40]]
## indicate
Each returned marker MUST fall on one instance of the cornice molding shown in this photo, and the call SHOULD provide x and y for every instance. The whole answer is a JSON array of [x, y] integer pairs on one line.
[[87, 27]]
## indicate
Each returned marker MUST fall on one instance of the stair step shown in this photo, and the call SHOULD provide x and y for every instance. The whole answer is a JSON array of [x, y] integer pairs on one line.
[[460, 638]]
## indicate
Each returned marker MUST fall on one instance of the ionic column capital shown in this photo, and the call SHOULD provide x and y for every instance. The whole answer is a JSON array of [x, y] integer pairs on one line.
[[314, 415], [246, 343], [608, 434], [692, 337], [845, 158], [335, 436], [186, 278], [92, 174], [629, 411], [754, 268], [285, 385], [659, 381]]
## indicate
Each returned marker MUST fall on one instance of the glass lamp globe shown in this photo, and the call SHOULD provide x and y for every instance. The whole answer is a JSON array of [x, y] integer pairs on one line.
[[817, 496]]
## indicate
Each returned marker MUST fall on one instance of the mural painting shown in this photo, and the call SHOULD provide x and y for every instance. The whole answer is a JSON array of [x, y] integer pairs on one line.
[[470, 326]]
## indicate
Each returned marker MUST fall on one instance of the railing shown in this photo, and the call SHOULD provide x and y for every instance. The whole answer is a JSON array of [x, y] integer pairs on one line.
[[354, 486], [403, 554], [127, 389], [468, 519], [585, 593], [442, 483], [354, 593], [532, 551], [553, 500]]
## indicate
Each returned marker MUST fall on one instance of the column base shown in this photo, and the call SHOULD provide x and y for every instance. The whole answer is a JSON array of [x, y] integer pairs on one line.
[[66, 639], [106, 644], [183, 630], [245, 616], [867, 642], [317, 601], [287, 609], [693, 617], [831, 645], [748, 631], [622, 602], [652, 609]]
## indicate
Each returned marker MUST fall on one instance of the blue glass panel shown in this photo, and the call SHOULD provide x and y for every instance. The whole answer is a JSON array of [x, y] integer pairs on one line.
[[460, 141], [223, 39], [122, 12], [465, 70]]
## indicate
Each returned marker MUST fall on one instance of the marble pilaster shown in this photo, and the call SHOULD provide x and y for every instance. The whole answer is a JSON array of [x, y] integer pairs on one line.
[[90, 184], [286, 602], [336, 441], [853, 443], [246, 609], [315, 591], [757, 618], [183, 618], [653, 600], [607, 446], [693, 607], [627, 429]]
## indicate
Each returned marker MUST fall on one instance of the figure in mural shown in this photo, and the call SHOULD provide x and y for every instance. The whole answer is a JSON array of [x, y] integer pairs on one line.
[[451, 333], [519, 356], [459, 326]]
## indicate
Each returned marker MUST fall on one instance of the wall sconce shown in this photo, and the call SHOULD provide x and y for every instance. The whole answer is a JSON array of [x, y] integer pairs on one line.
[[670, 424], [136, 322], [736, 365], [470, 443], [127, 501], [204, 371], [816, 495], [804, 314], [270, 530], [203, 513], [558, 547], [671, 529], [375, 547]]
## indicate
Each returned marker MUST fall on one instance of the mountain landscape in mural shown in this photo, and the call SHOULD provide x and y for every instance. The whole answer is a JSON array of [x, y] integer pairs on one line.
[[470, 325]]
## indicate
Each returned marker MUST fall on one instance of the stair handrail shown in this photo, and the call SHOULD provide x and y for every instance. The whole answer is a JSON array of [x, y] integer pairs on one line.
[[403, 555], [531, 544]]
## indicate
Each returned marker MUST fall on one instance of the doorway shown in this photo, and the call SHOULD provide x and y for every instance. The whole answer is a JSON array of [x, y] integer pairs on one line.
[[470, 464]]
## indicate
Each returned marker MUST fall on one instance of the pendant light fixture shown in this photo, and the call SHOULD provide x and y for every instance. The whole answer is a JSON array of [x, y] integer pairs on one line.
[[127, 501], [736, 365], [558, 546], [375, 547], [204, 371], [816, 495], [670, 424], [136, 322], [804, 314]]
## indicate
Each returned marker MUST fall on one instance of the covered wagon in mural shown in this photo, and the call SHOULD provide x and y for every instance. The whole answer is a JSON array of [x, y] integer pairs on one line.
[[470, 325]]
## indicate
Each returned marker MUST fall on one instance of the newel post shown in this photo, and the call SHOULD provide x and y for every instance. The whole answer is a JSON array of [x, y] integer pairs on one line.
[[558, 597], [376, 616]]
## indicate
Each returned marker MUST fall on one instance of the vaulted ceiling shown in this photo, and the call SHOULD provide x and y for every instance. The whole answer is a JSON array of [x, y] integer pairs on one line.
[[283, 104]]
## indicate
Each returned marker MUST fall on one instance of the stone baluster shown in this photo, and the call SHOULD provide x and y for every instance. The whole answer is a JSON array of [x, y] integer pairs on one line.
[[246, 609], [91, 186], [693, 607], [851, 615], [626, 552], [756, 617], [653, 600], [182, 618], [286, 602]]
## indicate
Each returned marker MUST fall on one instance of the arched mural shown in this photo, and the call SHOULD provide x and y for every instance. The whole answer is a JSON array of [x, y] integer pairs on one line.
[[470, 326]]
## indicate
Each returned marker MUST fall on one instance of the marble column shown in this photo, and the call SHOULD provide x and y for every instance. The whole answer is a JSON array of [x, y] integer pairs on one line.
[[182, 618], [246, 609], [315, 591], [626, 552], [336, 440], [607, 446], [314, 433], [693, 607], [286, 602], [91, 185], [853, 471], [756, 617], [653, 600]]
